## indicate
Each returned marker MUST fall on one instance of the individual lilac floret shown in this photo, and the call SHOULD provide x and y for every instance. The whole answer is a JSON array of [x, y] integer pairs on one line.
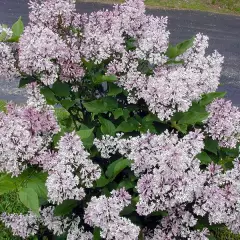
[[21, 225], [73, 171], [104, 212], [223, 123], [8, 69], [25, 132]]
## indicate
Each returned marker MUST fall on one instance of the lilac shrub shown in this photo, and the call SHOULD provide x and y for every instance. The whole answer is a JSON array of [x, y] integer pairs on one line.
[[146, 147]]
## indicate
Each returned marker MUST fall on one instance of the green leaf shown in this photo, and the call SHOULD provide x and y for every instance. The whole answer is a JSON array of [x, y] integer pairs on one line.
[[113, 89], [208, 98], [174, 62], [96, 233], [17, 29], [61, 89], [148, 126], [127, 184], [195, 114], [67, 103], [86, 136], [116, 167], [102, 181], [184, 46], [65, 208], [174, 51], [118, 113], [61, 237], [107, 127], [85, 132], [145, 67], [49, 95], [6, 185], [101, 105], [105, 78], [126, 114], [192, 118], [211, 237], [3, 36], [37, 182], [151, 118], [204, 158], [182, 128], [159, 213], [57, 137], [30, 199], [128, 126], [88, 65], [128, 209], [26, 80], [211, 145], [130, 44]]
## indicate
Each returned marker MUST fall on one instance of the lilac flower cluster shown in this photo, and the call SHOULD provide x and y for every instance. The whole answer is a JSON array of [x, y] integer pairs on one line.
[[220, 197], [52, 13], [171, 88], [21, 225], [28, 224], [223, 123], [76, 233], [170, 179], [178, 223], [25, 133], [73, 170], [38, 46], [8, 69], [42, 48], [104, 212], [164, 164]]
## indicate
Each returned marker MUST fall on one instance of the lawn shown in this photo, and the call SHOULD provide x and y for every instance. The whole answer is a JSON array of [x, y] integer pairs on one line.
[[219, 6]]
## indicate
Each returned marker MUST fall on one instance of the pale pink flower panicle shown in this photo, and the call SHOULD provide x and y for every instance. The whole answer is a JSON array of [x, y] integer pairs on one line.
[[223, 123]]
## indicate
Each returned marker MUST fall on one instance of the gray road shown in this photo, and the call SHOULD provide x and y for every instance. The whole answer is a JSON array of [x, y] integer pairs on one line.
[[223, 30]]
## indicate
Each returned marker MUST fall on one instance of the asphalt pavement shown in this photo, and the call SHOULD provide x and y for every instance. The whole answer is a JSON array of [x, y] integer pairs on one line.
[[223, 31]]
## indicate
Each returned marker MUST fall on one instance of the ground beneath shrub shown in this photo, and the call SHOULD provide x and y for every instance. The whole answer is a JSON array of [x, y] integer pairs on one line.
[[223, 31]]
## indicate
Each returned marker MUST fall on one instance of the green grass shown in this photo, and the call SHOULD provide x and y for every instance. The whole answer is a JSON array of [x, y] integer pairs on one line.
[[218, 6], [225, 234], [11, 204]]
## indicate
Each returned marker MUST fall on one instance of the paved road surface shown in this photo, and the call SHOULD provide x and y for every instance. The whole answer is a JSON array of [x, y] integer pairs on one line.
[[223, 30]]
